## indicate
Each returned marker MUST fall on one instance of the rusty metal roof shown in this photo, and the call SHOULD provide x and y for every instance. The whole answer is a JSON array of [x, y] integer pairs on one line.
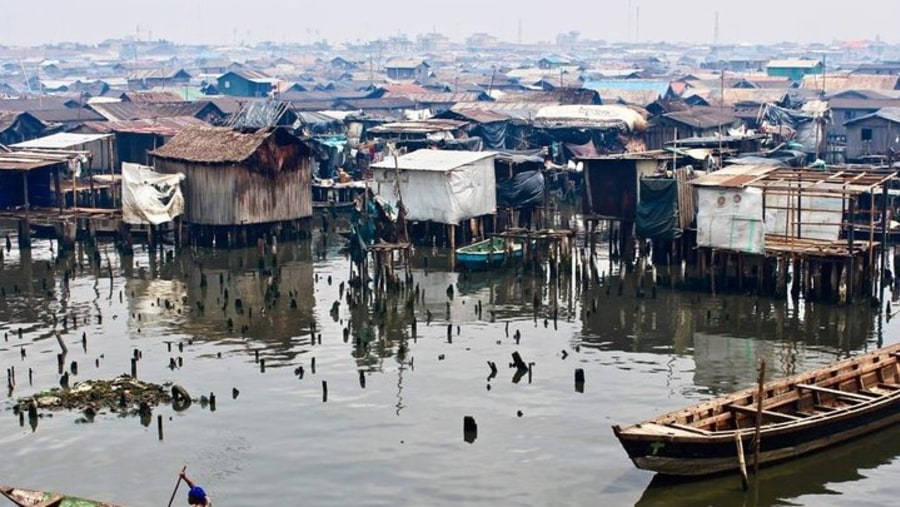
[[787, 179], [117, 111], [24, 160], [158, 126], [152, 96], [735, 176]]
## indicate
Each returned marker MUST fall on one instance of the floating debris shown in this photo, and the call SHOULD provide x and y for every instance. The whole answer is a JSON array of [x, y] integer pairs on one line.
[[124, 395]]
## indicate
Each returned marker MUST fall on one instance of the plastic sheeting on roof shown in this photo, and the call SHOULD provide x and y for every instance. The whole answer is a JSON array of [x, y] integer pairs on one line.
[[610, 116], [149, 197]]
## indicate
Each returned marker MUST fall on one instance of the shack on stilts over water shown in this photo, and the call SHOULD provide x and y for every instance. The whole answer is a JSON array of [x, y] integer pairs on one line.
[[610, 194], [43, 184], [449, 197], [757, 224], [241, 187]]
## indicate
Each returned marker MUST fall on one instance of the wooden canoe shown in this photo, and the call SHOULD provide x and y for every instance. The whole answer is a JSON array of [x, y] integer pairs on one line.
[[32, 498], [801, 414], [488, 252]]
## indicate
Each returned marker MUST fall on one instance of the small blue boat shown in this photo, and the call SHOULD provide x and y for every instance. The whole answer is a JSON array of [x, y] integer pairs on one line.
[[487, 253]]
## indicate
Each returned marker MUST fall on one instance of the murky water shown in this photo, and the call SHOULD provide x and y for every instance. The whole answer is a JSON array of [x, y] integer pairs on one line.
[[390, 432]]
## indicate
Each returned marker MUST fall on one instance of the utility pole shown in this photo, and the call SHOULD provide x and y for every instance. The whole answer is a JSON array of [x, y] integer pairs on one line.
[[628, 37], [637, 23]]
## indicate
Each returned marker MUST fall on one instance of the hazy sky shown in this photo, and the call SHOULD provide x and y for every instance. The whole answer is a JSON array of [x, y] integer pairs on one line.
[[29, 22]]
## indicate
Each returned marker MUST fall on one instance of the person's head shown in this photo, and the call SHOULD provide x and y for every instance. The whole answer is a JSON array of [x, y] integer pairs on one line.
[[196, 496]]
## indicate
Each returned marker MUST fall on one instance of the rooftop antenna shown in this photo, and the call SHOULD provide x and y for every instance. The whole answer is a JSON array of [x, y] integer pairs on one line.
[[716, 37], [520, 31], [25, 73], [637, 23], [137, 37]]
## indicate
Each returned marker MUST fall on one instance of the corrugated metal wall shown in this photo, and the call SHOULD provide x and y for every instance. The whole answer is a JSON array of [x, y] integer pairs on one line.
[[233, 195]]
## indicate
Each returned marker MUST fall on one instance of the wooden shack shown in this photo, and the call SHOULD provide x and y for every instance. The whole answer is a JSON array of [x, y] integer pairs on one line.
[[874, 134], [610, 194], [240, 186]]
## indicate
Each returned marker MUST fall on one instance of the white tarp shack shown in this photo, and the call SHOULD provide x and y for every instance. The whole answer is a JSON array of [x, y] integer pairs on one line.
[[729, 211], [149, 197], [446, 187]]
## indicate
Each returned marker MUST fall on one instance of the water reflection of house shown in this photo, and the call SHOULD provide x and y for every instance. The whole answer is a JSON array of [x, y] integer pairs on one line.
[[258, 321]]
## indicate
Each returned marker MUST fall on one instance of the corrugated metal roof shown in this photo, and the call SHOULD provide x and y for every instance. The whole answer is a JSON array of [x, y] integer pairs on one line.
[[67, 115], [24, 161], [891, 114], [404, 64], [832, 83], [159, 126], [157, 73], [418, 127], [735, 176], [31, 105], [514, 110], [118, 111], [702, 117], [480, 116], [434, 160], [443, 98], [382, 103], [212, 145], [61, 141], [152, 96], [251, 75], [795, 63], [8, 118], [871, 104]]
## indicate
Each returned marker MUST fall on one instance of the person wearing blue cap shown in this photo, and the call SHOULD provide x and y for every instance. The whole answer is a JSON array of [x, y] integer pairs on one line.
[[196, 495]]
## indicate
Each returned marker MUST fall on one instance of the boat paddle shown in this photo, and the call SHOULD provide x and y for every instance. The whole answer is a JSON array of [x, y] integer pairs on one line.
[[183, 470]]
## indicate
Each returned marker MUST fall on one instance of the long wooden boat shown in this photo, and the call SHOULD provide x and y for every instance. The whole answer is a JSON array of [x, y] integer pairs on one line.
[[488, 252], [32, 498], [800, 414]]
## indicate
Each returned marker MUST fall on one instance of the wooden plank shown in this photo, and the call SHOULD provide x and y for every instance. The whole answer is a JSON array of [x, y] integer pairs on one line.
[[835, 392], [688, 428], [768, 413]]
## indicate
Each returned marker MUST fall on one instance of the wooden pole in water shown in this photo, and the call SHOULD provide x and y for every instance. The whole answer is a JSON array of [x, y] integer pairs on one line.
[[759, 410], [742, 464]]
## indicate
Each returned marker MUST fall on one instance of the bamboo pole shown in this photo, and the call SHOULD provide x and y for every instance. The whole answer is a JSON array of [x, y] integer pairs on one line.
[[759, 411]]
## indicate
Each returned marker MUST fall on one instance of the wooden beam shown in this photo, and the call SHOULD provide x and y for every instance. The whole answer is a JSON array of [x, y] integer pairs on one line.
[[834, 392], [768, 413]]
